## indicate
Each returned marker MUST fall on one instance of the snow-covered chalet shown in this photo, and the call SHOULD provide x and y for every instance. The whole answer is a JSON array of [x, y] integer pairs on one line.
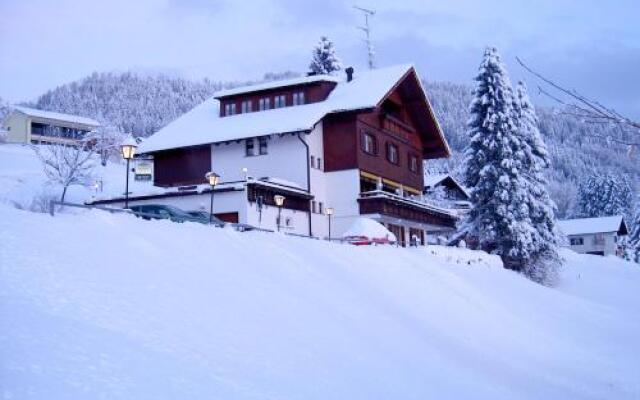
[[354, 143]]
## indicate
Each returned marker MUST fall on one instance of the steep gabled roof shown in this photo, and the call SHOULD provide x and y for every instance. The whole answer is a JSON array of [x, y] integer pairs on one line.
[[432, 180], [33, 112], [593, 225], [203, 125]]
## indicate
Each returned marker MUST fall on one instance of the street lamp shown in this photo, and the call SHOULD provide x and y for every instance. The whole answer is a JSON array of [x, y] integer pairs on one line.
[[213, 180], [128, 149], [329, 212], [279, 199]]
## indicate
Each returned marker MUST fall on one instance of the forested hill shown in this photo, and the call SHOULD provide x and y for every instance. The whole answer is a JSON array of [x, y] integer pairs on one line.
[[142, 104]]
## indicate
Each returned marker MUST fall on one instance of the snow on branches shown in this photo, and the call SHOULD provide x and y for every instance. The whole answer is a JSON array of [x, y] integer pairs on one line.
[[505, 161], [324, 59]]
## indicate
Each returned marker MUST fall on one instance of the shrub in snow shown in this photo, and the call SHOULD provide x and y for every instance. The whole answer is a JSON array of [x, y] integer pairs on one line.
[[106, 143], [324, 59], [66, 165], [505, 160]]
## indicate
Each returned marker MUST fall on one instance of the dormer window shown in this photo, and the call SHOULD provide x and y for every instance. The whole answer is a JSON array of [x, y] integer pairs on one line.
[[298, 98], [246, 106], [264, 103], [229, 108], [279, 101]]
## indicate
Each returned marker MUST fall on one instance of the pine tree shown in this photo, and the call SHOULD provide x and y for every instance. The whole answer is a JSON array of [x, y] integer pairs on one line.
[[504, 163], [536, 161], [603, 194], [324, 59], [633, 241]]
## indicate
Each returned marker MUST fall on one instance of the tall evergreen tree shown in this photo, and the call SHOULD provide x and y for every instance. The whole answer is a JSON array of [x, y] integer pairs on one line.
[[504, 162], [324, 59], [633, 241], [536, 161]]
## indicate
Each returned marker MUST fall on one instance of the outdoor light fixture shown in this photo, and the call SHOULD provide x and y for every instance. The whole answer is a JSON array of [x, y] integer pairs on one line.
[[279, 199], [329, 212], [213, 180], [128, 149], [245, 172]]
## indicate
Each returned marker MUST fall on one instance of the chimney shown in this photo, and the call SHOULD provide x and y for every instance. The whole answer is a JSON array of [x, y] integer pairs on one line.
[[349, 72]]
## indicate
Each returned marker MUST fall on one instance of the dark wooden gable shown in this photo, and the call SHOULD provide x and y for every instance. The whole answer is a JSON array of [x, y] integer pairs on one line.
[[415, 104]]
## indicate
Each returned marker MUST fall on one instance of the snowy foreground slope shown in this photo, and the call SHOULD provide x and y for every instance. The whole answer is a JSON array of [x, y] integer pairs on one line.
[[108, 306]]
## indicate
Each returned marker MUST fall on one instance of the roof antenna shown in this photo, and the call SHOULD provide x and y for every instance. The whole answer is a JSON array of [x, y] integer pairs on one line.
[[367, 30]]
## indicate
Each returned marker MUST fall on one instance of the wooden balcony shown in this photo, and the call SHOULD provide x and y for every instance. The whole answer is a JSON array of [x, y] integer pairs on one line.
[[380, 202]]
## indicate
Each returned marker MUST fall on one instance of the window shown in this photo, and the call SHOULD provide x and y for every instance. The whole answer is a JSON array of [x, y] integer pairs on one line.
[[577, 241], [413, 163], [264, 103], [312, 161], [320, 207], [319, 160], [392, 153], [229, 108], [262, 145], [248, 148], [298, 98], [369, 144], [313, 206], [247, 106], [279, 101]]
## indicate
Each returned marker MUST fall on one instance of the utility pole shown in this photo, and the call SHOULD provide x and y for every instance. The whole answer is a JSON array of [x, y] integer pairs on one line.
[[367, 31]]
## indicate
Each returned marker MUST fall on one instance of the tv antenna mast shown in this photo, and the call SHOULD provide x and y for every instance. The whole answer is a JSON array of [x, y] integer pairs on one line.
[[367, 30]]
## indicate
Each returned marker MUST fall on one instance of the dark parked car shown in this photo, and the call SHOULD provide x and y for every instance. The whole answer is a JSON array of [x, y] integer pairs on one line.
[[205, 216], [161, 211]]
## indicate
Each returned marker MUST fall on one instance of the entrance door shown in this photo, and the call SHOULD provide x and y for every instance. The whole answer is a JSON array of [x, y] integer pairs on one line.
[[399, 232]]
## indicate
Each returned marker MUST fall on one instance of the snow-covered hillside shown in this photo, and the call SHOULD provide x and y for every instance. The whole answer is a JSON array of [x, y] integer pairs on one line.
[[95, 305], [108, 306]]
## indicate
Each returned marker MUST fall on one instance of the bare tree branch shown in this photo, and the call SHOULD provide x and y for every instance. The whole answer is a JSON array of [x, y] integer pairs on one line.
[[589, 110]]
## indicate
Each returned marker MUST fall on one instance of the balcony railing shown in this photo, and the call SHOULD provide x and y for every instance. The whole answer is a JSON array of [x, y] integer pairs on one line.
[[416, 209]]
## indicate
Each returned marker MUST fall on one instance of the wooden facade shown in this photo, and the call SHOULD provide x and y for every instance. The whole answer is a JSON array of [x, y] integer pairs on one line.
[[404, 210], [183, 166], [313, 93]]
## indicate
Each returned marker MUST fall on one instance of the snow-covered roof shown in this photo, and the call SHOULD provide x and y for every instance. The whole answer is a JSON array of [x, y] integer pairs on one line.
[[432, 180], [32, 112], [593, 225], [276, 84], [203, 124]]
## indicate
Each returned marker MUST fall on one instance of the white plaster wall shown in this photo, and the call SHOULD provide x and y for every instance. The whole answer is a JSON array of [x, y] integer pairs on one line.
[[609, 247], [18, 126], [286, 159], [342, 191], [299, 222]]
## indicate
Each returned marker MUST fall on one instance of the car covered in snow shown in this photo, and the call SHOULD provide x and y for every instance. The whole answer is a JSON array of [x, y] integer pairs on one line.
[[162, 211]]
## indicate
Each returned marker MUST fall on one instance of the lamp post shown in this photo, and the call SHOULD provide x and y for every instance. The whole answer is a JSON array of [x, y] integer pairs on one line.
[[329, 212], [213, 180], [279, 199], [128, 149]]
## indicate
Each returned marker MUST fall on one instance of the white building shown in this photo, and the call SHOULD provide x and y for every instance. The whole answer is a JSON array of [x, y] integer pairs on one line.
[[599, 236], [355, 145], [29, 125]]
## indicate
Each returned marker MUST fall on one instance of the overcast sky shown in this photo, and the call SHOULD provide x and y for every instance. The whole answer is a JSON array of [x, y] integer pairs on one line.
[[586, 44]]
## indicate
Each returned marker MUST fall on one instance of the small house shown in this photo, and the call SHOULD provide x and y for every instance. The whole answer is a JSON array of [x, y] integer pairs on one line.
[[599, 236]]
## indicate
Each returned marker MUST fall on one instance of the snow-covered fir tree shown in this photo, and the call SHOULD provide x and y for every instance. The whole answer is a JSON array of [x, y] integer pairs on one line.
[[633, 241], [604, 194], [324, 59], [504, 163], [541, 208]]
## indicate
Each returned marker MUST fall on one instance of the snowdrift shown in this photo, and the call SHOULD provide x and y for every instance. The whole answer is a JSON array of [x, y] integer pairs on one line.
[[96, 305]]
